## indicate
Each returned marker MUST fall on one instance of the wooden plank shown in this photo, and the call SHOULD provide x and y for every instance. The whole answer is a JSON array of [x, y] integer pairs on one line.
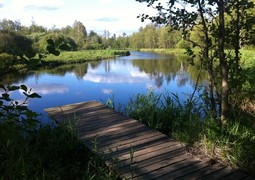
[[154, 141], [236, 175], [198, 174], [143, 166], [155, 156], [148, 154], [219, 174], [154, 172]]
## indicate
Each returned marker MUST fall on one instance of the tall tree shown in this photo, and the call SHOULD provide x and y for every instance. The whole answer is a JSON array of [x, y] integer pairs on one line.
[[210, 15], [79, 33]]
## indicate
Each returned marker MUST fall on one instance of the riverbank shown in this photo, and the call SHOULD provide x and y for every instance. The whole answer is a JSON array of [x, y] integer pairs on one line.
[[9, 63], [189, 122], [247, 56], [84, 56]]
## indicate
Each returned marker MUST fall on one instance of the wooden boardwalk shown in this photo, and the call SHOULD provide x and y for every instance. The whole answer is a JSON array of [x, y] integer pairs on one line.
[[134, 150]]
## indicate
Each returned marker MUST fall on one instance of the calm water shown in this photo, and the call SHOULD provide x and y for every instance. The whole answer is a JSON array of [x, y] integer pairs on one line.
[[122, 77]]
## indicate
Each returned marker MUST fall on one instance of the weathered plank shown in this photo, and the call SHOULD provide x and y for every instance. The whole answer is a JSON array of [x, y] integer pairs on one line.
[[141, 152]]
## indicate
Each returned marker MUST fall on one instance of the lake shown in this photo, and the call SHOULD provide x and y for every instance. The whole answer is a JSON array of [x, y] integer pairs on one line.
[[122, 77]]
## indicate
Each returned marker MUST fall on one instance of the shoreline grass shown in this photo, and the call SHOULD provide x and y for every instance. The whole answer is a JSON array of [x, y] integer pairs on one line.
[[175, 51], [84, 56], [189, 122]]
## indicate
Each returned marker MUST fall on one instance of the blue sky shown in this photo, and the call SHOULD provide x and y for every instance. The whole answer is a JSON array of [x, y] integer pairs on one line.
[[116, 16]]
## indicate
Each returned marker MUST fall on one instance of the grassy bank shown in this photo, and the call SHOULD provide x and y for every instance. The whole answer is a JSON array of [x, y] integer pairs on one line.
[[84, 56], [166, 51], [232, 143], [9, 63]]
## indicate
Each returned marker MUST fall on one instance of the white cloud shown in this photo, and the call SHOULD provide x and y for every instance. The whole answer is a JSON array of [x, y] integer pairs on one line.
[[38, 4], [107, 91], [51, 88], [116, 78], [2, 3]]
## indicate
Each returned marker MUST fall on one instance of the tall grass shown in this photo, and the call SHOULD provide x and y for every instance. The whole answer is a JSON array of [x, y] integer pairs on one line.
[[233, 143], [47, 153], [167, 114]]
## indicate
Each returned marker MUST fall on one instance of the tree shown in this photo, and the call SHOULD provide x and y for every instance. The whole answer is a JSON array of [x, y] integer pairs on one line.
[[93, 40], [150, 36], [210, 15], [79, 33], [7, 25], [168, 38], [59, 40], [16, 44]]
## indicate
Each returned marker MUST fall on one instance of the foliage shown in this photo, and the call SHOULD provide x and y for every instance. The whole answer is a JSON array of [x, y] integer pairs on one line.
[[167, 114], [15, 113], [190, 122], [32, 150], [59, 40], [16, 44], [153, 36], [216, 26], [84, 56], [183, 44]]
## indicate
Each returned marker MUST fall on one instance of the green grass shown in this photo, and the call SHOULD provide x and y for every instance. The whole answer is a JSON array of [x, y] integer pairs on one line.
[[32, 150], [176, 51], [189, 122], [47, 153], [83, 56]]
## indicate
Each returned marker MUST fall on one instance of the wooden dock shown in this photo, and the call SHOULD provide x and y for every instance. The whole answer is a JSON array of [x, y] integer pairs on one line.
[[134, 150]]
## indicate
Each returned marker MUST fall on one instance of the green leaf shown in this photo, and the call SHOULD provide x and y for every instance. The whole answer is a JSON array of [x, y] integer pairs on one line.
[[23, 87], [6, 96], [14, 88], [64, 47], [51, 42], [56, 53], [34, 95], [50, 49]]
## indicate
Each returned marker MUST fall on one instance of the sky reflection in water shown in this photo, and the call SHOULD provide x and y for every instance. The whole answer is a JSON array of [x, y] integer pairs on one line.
[[124, 77]]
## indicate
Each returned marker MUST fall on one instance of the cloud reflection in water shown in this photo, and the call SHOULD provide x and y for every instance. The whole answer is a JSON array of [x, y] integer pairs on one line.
[[51, 88]]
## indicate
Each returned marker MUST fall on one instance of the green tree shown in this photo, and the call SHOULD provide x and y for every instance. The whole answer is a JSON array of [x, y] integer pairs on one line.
[[16, 44], [150, 36], [79, 33], [59, 39], [210, 15], [94, 41], [7, 25], [168, 38]]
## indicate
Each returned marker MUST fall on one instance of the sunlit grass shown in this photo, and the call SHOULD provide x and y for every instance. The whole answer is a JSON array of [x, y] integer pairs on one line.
[[176, 51], [189, 122], [85, 55]]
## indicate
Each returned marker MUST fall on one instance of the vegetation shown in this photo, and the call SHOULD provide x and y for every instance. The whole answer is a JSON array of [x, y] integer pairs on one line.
[[84, 56], [213, 31], [220, 121], [191, 123], [30, 149]]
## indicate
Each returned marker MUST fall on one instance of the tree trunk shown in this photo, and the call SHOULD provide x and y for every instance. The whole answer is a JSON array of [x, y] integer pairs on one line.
[[208, 60], [223, 64], [237, 40]]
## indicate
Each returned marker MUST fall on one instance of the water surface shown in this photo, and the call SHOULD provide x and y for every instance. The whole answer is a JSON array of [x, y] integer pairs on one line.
[[122, 77]]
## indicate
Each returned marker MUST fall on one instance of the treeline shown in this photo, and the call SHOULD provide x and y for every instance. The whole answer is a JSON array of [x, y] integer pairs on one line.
[[28, 40]]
